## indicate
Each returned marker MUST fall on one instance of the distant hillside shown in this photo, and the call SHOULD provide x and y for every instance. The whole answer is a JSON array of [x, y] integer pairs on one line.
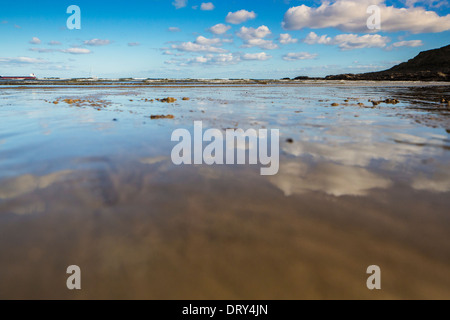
[[432, 65]]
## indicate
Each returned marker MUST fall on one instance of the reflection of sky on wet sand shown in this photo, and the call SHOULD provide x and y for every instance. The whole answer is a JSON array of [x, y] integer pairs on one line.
[[333, 179], [77, 187], [27, 183]]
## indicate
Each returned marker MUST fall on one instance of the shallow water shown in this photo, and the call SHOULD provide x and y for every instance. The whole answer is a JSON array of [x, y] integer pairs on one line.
[[358, 186]]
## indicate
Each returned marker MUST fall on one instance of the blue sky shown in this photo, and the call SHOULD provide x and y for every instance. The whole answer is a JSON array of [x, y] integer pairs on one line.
[[250, 39]]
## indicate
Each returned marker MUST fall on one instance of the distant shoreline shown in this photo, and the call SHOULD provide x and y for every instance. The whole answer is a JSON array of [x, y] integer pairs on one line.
[[213, 82]]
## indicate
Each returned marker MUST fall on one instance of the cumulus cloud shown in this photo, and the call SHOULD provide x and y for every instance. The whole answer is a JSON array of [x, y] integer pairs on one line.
[[174, 29], [294, 56], [240, 16], [219, 28], [219, 59], [205, 41], [54, 43], [261, 43], [349, 41], [351, 16], [133, 44], [313, 38], [35, 40], [255, 38], [195, 47], [179, 4], [76, 51], [207, 6], [222, 59], [286, 38], [251, 33], [261, 56]]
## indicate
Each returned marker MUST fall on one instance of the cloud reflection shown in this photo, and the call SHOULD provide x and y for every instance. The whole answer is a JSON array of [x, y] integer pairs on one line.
[[296, 177], [27, 183], [342, 167]]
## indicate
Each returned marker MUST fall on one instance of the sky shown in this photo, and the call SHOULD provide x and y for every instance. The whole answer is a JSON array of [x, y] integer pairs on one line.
[[257, 39]]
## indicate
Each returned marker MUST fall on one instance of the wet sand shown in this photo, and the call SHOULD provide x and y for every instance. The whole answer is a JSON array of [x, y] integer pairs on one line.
[[357, 186]]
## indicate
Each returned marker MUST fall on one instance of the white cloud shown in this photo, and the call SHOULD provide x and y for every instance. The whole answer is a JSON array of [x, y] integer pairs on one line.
[[179, 4], [21, 60], [252, 33], [261, 43], [35, 40], [97, 42], [205, 41], [410, 43], [54, 43], [133, 44], [349, 41], [240, 16], [219, 28], [174, 29], [195, 47], [76, 51], [254, 38], [219, 59], [294, 56], [261, 56], [313, 38], [223, 59], [350, 15], [41, 50], [207, 6], [431, 3], [286, 38]]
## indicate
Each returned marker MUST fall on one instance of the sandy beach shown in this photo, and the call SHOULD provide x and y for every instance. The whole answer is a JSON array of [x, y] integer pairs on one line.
[[86, 178]]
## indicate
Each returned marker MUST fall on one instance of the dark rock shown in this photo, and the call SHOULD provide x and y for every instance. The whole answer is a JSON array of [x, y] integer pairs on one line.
[[431, 65], [301, 78]]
